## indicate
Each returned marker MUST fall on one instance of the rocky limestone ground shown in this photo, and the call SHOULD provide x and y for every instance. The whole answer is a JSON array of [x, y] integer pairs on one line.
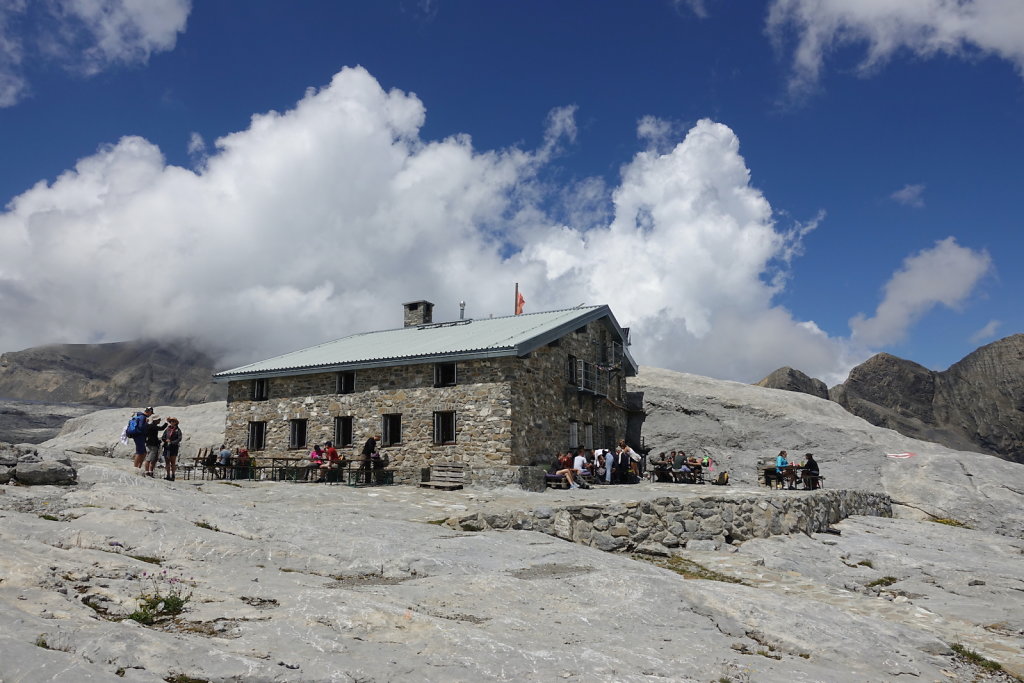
[[738, 424], [307, 582]]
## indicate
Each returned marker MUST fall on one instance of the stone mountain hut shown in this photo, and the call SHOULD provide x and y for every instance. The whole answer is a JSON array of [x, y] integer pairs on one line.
[[500, 395]]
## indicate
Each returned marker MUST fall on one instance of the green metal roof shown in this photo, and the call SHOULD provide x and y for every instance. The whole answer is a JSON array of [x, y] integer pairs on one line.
[[456, 340]]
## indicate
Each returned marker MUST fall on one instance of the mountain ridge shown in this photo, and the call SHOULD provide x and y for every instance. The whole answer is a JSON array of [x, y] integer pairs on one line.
[[976, 404]]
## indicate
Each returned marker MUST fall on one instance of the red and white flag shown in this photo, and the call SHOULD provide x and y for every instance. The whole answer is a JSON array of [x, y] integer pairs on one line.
[[520, 302]]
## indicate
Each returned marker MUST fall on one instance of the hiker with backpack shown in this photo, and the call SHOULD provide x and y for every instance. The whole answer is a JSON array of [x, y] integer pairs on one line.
[[136, 431]]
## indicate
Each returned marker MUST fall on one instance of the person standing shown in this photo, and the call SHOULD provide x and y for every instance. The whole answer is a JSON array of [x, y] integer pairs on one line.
[[369, 448], [172, 441], [153, 429], [136, 431]]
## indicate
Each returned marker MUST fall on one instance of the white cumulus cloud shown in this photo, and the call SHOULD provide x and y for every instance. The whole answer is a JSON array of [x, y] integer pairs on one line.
[[83, 36], [946, 274], [319, 221], [962, 28], [909, 195]]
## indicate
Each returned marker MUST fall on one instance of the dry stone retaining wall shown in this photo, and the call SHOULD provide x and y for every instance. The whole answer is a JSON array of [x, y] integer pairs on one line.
[[661, 525]]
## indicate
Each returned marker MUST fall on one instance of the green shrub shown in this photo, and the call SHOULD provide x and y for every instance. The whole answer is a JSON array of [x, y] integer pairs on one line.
[[884, 581], [168, 598]]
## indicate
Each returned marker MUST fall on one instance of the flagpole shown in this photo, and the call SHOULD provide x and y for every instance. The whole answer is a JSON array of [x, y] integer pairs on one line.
[[515, 301]]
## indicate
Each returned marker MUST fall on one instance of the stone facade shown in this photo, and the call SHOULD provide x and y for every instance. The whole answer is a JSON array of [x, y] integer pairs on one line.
[[662, 525], [509, 412]]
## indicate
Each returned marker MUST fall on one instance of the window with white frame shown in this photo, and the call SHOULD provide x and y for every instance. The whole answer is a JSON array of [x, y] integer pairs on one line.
[[574, 434], [588, 435]]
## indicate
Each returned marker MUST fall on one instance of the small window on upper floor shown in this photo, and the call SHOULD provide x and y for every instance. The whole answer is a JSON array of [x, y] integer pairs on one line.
[[346, 383], [570, 370], [444, 375], [260, 389]]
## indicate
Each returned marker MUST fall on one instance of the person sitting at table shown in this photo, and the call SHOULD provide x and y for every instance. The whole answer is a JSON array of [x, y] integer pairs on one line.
[[223, 460], [784, 469], [680, 471], [243, 463], [694, 467], [810, 472], [330, 461], [316, 457], [600, 463], [557, 470]]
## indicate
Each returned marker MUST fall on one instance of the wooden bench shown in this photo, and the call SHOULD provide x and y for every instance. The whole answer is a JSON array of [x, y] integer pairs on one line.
[[556, 481], [772, 478], [355, 475], [446, 476]]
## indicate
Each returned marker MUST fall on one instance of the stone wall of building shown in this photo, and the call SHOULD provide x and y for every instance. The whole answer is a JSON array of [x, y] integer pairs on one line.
[[481, 401], [545, 401], [662, 525]]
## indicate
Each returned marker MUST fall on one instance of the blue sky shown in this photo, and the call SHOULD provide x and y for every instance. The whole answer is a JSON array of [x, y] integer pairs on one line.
[[749, 185]]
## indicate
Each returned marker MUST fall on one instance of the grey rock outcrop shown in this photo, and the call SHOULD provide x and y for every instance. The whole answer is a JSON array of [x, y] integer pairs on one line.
[[30, 467], [789, 379], [118, 374], [977, 404]]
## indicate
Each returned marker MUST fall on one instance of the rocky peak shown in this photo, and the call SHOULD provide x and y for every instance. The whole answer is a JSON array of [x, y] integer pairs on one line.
[[789, 379], [977, 404]]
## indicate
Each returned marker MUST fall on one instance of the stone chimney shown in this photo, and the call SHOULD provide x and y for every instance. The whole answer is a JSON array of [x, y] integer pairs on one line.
[[418, 313]]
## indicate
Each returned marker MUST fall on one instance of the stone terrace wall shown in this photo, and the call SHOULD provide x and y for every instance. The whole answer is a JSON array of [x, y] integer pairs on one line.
[[661, 525]]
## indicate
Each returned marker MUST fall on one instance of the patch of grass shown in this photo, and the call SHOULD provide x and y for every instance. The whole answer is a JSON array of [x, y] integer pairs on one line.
[[289, 570], [884, 581], [231, 483], [52, 518], [146, 558], [769, 655], [950, 522], [437, 522], [975, 658], [41, 642], [182, 678], [689, 569], [866, 563], [206, 525]]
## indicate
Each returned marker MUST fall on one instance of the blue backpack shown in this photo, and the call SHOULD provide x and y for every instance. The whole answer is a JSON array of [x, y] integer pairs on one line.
[[136, 426]]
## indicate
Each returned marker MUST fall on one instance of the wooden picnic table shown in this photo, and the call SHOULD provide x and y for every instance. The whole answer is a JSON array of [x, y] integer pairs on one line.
[[287, 468]]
